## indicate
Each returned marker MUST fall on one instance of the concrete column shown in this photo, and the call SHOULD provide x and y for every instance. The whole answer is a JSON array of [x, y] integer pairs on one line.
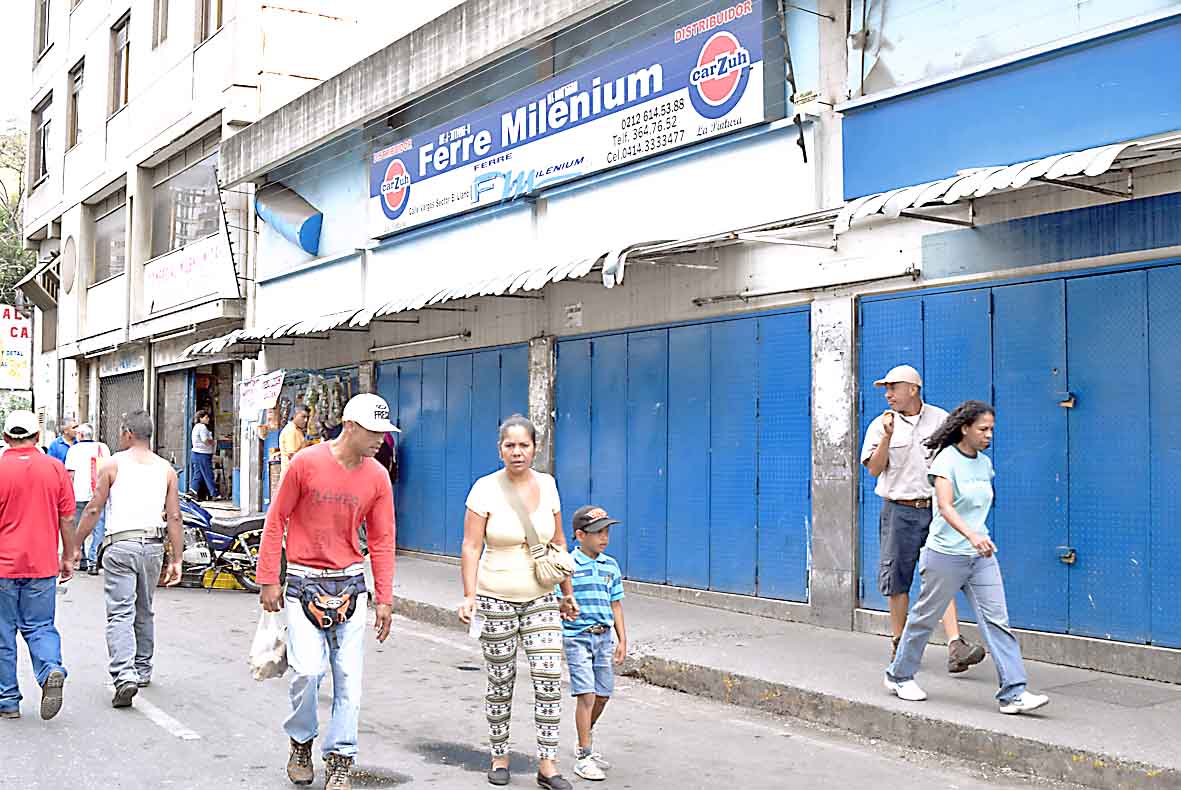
[[542, 371], [834, 530]]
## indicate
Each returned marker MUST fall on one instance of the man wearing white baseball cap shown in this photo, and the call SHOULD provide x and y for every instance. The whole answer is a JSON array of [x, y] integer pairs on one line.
[[36, 509], [329, 490], [895, 452]]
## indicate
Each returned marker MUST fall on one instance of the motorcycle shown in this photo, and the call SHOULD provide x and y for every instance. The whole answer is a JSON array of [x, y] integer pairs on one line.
[[224, 545]]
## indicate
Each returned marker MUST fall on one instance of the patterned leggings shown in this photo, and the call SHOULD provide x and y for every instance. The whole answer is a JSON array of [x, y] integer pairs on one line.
[[539, 626]]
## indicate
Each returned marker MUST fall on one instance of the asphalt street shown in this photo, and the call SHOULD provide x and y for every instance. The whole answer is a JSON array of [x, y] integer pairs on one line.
[[205, 723]]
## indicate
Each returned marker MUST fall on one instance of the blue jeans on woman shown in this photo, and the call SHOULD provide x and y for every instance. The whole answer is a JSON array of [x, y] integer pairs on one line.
[[980, 578], [203, 473], [28, 606]]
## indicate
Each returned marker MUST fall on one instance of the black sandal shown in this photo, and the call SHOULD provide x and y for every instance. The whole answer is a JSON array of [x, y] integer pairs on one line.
[[498, 776]]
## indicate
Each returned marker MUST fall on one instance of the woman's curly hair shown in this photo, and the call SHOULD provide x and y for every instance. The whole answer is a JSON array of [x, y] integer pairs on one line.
[[952, 429]]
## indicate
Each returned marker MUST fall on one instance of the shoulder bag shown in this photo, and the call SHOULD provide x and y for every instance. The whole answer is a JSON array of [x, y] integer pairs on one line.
[[551, 564]]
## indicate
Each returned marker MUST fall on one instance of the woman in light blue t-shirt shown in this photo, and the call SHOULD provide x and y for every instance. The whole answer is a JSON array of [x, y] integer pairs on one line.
[[960, 555]]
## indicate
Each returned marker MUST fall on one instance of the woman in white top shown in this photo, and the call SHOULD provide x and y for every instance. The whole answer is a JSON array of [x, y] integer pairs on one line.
[[500, 590], [203, 455]]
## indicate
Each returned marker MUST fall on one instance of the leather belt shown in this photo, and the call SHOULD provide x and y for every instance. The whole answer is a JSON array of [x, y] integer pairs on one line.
[[917, 504], [598, 628]]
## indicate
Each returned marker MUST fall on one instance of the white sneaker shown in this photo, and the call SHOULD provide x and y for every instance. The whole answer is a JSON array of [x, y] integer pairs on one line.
[[588, 769], [907, 690], [1025, 703], [599, 761]]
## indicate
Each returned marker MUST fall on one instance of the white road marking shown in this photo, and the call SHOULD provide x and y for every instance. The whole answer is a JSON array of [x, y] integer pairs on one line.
[[162, 719], [466, 647]]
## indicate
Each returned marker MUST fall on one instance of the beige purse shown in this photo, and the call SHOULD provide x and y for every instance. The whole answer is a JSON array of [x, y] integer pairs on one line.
[[552, 565]]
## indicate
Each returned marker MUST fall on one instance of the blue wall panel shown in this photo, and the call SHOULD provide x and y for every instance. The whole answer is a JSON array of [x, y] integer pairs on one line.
[[514, 381], [1029, 452], [608, 472], [734, 442], [785, 456], [1030, 109], [572, 429], [408, 499], [1107, 357], [891, 333], [486, 417], [1164, 328], [647, 457], [957, 348], [688, 456], [457, 480], [432, 433]]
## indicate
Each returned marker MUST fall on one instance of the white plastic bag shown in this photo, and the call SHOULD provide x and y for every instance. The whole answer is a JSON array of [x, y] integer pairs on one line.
[[268, 652]]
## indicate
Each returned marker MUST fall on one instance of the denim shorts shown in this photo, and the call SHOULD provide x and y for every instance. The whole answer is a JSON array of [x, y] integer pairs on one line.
[[589, 657], [903, 533]]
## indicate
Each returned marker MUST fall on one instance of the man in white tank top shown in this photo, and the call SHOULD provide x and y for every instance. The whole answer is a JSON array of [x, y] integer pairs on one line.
[[139, 486]]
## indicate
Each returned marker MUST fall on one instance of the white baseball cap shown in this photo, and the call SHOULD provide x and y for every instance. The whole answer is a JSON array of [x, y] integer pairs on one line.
[[371, 412], [21, 424], [903, 374]]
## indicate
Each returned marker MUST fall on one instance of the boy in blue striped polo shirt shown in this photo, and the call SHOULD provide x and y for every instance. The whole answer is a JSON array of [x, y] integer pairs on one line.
[[590, 650]]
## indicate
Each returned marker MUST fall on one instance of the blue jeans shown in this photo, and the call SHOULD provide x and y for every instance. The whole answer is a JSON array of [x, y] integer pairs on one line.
[[28, 606], [96, 537], [310, 658], [203, 473], [589, 657], [980, 578]]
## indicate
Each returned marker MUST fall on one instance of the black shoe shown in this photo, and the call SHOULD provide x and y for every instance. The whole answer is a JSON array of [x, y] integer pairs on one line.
[[83, 566], [142, 683], [51, 694], [124, 692], [92, 570], [555, 782], [498, 776]]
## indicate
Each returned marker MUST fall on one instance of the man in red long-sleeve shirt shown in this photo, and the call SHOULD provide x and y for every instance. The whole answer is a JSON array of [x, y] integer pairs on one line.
[[329, 490]]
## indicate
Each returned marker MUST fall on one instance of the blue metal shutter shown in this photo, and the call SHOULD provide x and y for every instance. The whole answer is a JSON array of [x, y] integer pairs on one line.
[[689, 456], [645, 521]]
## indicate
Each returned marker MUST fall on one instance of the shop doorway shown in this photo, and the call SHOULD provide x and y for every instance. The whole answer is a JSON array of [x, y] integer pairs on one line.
[[214, 389]]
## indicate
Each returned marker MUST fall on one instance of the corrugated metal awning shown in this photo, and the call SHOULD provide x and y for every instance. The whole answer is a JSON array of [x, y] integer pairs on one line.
[[1067, 170]]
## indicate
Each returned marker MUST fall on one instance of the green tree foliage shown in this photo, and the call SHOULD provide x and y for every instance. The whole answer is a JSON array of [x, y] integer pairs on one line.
[[15, 260]]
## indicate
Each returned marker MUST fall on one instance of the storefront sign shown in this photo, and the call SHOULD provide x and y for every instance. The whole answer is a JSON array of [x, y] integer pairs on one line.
[[675, 88], [197, 270], [16, 349], [260, 392]]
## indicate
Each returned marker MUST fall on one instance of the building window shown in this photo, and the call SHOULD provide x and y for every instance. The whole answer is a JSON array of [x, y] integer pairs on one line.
[[210, 21], [159, 23], [41, 28], [39, 146], [186, 206], [74, 120], [120, 64], [110, 237]]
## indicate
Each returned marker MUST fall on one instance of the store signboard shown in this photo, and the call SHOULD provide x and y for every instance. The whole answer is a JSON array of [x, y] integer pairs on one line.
[[676, 87], [260, 392], [201, 269], [16, 349]]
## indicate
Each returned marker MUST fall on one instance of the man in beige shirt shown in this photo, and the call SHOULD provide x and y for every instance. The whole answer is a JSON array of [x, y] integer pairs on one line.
[[292, 439], [895, 452]]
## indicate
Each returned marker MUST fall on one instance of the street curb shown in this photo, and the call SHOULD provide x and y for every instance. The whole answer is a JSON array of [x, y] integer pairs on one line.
[[1008, 752]]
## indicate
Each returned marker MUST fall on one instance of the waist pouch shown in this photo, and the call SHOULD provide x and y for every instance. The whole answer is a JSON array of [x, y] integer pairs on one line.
[[326, 601]]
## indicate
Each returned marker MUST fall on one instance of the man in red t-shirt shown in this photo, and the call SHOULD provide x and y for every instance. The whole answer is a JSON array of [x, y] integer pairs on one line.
[[329, 490], [36, 507]]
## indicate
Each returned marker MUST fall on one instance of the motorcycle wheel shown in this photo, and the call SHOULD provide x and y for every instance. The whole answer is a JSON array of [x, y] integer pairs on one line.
[[249, 543]]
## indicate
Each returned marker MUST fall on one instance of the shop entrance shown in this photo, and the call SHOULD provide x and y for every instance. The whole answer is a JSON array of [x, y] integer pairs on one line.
[[215, 389]]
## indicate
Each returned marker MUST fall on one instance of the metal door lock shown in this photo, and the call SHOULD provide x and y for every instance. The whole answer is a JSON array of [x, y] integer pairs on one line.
[[1067, 555]]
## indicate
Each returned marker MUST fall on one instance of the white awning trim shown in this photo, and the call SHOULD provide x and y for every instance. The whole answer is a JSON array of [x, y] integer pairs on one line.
[[980, 181], [611, 262]]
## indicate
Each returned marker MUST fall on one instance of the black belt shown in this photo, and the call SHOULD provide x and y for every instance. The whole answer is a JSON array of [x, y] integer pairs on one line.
[[598, 628]]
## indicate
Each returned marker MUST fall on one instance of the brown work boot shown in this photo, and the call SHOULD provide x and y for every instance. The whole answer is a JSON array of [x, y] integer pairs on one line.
[[299, 763], [338, 771], [961, 654]]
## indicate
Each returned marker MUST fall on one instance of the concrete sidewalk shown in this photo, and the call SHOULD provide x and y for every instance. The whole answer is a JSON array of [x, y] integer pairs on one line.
[[1100, 730]]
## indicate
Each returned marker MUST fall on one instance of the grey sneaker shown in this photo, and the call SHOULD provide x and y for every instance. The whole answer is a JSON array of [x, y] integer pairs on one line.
[[962, 654], [299, 763], [51, 694], [15, 713], [338, 771]]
